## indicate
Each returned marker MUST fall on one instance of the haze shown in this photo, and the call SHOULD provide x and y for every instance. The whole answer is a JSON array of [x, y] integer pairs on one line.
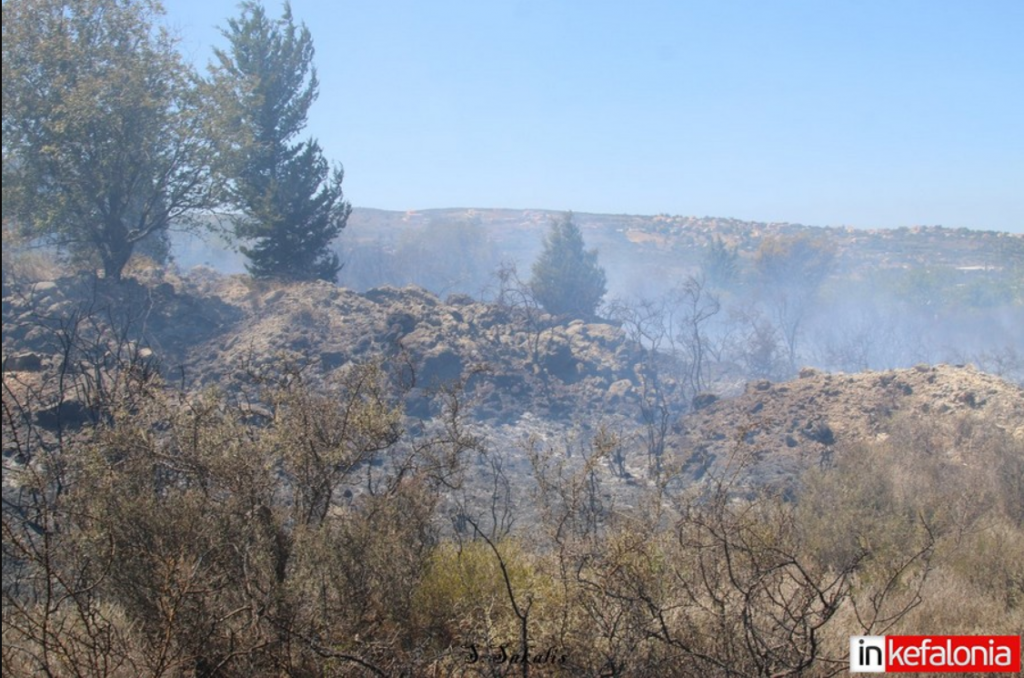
[[710, 362], [874, 115]]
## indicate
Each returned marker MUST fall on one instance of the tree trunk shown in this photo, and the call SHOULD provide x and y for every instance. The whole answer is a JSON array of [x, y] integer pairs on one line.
[[115, 257]]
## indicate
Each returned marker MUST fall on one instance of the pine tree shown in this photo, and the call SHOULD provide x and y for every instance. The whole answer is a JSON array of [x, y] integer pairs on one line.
[[566, 279], [289, 203]]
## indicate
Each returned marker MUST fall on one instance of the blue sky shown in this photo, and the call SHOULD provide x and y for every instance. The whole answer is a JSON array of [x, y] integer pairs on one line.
[[871, 114]]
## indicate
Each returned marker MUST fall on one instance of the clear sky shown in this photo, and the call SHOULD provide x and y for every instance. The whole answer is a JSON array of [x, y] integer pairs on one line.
[[869, 113]]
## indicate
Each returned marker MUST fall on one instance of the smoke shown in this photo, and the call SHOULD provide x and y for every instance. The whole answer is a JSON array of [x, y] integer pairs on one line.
[[189, 250], [786, 301]]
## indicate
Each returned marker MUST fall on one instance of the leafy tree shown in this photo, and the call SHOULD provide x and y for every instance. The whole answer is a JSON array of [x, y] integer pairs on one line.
[[566, 279], [289, 202], [102, 133]]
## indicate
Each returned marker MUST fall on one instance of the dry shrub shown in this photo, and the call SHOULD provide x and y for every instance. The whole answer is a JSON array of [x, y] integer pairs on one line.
[[462, 598], [952, 488], [206, 543], [181, 534]]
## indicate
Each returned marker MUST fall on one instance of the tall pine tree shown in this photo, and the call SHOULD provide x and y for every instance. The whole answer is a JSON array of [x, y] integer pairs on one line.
[[288, 202]]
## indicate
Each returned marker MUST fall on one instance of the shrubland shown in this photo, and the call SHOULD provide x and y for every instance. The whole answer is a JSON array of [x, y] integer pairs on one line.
[[289, 527], [265, 520]]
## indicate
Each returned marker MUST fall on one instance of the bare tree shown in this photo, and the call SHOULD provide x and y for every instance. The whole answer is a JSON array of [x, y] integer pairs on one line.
[[697, 307], [648, 324], [791, 271]]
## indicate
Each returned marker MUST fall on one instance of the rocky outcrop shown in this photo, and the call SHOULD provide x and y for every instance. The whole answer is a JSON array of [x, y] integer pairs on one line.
[[520, 370], [785, 426], [209, 329]]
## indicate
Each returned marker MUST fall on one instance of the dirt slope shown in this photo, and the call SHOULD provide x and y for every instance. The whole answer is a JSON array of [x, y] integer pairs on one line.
[[785, 426], [522, 369]]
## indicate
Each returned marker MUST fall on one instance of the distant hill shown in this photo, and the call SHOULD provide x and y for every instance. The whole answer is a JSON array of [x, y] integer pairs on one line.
[[520, 230], [391, 247]]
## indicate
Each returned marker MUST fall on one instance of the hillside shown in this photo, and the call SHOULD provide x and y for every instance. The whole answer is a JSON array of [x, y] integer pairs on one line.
[[521, 371], [784, 428], [207, 329], [676, 242], [212, 470]]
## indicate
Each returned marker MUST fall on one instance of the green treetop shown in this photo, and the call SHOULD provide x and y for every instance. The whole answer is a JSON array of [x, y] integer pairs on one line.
[[566, 278], [289, 203], [103, 144]]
